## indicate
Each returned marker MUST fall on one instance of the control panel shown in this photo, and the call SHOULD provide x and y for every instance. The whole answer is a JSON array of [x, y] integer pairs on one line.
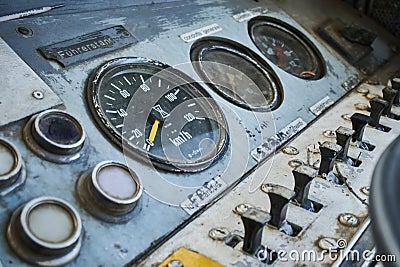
[[191, 133]]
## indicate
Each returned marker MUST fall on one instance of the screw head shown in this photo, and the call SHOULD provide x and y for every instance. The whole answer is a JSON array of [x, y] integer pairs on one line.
[[329, 134], [219, 233], [294, 163], [365, 190], [38, 95], [348, 219], [327, 243], [361, 106], [175, 263], [346, 117], [242, 208], [290, 150]]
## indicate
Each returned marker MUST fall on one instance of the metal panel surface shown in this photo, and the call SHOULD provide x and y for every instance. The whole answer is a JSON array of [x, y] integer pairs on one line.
[[24, 93]]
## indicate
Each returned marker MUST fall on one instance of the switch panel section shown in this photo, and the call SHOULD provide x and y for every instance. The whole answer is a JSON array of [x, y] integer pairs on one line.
[[342, 213]]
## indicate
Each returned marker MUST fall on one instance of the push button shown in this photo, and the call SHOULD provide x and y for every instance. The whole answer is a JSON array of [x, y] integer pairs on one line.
[[12, 168], [55, 136], [46, 231], [110, 191]]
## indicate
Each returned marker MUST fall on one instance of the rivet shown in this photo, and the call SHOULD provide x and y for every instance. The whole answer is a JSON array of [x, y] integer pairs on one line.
[[348, 219], [290, 150], [218, 233], [38, 95]]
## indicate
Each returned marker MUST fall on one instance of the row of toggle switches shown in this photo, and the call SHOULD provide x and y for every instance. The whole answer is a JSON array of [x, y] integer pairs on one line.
[[254, 219]]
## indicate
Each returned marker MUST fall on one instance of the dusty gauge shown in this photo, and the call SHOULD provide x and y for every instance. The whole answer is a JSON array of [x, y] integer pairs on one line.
[[286, 47], [159, 113], [236, 73]]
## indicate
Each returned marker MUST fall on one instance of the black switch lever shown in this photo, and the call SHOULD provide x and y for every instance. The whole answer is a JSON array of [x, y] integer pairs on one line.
[[254, 221], [329, 152], [279, 197], [358, 122], [396, 86], [378, 106], [389, 95], [303, 175], [343, 138]]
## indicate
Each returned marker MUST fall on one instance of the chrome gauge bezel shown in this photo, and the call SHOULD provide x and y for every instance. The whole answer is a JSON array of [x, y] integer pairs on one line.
[[206, 44], [306, 43], [94, 84]]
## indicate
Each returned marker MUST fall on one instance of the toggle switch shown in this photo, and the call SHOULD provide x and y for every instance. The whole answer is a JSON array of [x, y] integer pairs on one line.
[[396, 86], [303, 175], [329, 152], [378, 106], [279, 197], [343, 138], [358, 122], [389, 95], [254, 221]]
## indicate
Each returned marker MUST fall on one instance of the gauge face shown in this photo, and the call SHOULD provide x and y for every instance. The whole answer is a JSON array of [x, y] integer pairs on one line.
[[158, 112], [286, 47], [236, 73]]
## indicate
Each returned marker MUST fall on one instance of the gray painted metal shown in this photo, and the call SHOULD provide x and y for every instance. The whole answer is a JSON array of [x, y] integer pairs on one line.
[[19, 83]]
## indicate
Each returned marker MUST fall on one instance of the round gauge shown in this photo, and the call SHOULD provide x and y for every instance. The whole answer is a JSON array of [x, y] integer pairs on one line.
[[157, 112], [286, 47], [236, 73]]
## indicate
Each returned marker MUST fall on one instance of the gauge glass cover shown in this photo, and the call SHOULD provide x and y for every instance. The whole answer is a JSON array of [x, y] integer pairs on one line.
[[159, 113]]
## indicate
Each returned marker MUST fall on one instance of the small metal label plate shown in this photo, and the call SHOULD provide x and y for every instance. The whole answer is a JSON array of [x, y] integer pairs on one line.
[[321, 105], [88, 46], [197, 34], [249, 14], [203, 195], [278, 139]]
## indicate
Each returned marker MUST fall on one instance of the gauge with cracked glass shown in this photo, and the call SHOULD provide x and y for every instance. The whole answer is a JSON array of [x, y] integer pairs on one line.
[[236, 73], [157, 112], [286, 47]]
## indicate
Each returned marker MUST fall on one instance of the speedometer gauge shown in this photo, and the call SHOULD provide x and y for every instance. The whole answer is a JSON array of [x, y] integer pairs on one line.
[[286, 47], [157, 112]]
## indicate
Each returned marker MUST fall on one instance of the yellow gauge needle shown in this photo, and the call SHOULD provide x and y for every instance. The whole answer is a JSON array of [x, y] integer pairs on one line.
[[231, 78], [153, 131]]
